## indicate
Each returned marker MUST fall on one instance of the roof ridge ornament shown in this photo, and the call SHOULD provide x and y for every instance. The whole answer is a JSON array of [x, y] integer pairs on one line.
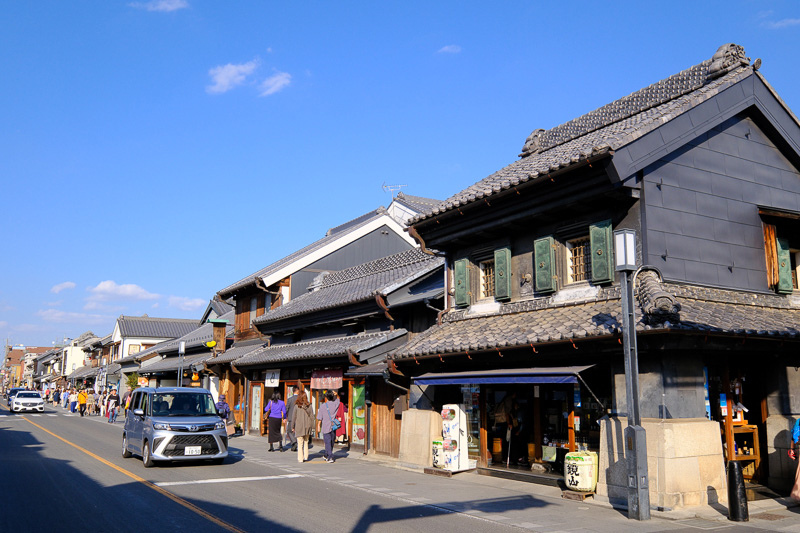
[[533, 144], [725, 59]]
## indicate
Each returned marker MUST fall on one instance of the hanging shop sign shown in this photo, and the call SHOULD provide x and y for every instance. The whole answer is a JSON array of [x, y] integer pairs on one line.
[[272, 378], [143, 382], [326, 379]]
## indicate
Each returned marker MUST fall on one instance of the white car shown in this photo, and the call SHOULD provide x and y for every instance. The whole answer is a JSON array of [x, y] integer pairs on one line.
[[27, 400]]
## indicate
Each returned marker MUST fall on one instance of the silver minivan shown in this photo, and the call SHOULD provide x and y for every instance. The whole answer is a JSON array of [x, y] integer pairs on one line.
[[174, 424]]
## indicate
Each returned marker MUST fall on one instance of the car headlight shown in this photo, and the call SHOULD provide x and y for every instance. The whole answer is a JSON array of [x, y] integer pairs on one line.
[[156, 425], [219, 425]]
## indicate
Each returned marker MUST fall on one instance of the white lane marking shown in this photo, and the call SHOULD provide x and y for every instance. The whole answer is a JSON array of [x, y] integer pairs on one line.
[[224, 480], [52, 415]]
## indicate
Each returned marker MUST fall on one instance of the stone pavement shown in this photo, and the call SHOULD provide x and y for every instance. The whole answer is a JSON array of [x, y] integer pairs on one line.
[[511, 503]]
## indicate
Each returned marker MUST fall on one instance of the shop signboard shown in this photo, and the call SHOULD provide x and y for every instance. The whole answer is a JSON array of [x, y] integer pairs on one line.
[[326, 379], [359, 415], [272, 379]]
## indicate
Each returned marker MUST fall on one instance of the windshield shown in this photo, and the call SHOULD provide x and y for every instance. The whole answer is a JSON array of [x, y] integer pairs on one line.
[[183, 404], [28, 395]]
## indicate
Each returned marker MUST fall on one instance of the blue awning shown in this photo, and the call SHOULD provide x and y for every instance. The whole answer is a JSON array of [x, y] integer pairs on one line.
[[562, 374]]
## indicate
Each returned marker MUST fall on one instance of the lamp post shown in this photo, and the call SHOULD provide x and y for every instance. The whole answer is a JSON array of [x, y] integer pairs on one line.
[[181, 355], [635, 438]]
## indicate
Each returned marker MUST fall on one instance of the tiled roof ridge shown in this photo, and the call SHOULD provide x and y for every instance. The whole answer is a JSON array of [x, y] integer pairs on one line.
[[376, 266], [157, 319], [731, 296], [560, 134], [417, 199], [727, 67], [341, 227]]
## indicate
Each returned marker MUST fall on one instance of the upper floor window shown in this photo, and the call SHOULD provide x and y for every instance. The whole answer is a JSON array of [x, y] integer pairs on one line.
[[782, 250], [487, 278], [579, 263]]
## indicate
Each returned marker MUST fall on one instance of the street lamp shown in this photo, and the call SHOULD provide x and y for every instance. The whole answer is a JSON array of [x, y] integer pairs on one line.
[[635, 438]]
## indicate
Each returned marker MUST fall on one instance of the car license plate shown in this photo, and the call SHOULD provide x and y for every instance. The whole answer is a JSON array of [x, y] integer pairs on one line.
[[192, 450]]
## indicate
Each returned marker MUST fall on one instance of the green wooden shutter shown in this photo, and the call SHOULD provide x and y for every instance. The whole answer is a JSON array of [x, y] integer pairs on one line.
[[784, 266], [602, 254], [502, 274], [461, 276], [544, 264]]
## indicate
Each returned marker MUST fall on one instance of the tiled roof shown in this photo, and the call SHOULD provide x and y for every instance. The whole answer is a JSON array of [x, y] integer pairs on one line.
[[357, 284], [84, 372], [145, 326], [239, 350], [194, 339], [317, 349], [609, 127], [660, 307], [171, 364], [417, 203], [333, 235]]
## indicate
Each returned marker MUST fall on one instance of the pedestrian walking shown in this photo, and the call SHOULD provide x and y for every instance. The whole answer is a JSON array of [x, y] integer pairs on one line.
[[327, 423], [224, 411], [341, 415], [56, 397], [276, 414], [103, 400], [793, 454], [113, 406], [82, 399], [290, 403], [94, 398], [302, 423], [65, 395], [73, 401]]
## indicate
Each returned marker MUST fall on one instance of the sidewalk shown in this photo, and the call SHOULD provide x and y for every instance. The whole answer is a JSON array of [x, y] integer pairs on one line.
[[511, 503]]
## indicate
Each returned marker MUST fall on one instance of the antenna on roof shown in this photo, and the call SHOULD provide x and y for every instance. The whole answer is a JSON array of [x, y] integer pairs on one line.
[[392, 188]]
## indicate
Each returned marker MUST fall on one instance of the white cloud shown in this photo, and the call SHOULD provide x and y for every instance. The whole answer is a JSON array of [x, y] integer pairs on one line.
[[226, 77], [62, 317], [187, 304], [784, 23], [275, 83], [107, 291], [449, 49], [161, 5], [62, 286]]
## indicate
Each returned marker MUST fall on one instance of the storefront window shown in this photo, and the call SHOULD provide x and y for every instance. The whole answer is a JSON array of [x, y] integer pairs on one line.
[[471, 401]]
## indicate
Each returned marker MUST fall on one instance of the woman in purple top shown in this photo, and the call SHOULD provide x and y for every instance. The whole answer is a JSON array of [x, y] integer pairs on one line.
[[276, 413]]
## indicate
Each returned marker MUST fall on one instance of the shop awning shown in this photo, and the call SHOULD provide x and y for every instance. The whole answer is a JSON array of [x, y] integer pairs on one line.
[[562, 374]]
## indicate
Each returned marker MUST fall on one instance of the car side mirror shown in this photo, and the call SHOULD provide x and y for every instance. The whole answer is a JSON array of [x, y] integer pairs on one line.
[[138, 412]]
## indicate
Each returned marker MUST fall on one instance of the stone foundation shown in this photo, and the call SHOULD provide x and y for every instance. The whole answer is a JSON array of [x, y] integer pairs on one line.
[[684, 461]]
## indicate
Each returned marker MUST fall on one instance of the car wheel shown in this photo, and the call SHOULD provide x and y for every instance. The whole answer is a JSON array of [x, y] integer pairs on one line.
[[125, 452], [147, 458]]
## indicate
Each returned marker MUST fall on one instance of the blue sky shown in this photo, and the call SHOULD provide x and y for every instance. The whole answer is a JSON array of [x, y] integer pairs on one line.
[[153, 152]]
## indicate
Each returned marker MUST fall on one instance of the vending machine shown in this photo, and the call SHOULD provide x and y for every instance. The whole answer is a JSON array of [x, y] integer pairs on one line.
[[455, 438]]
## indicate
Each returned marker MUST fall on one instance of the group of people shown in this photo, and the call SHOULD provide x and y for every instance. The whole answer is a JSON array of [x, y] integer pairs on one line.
[[87, 402], [296, 418]]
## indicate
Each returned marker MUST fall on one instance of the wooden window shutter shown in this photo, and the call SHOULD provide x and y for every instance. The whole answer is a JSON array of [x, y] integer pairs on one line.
[[544, 264], [771, 252], [602, 254], [502, 274], [784, 266], [461, 282]]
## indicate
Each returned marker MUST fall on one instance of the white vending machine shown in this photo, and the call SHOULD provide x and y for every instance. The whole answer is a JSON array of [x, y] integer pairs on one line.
[[455, 438]]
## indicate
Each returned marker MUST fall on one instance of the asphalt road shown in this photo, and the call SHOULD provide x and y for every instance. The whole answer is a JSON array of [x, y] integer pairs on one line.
[[62, 472]]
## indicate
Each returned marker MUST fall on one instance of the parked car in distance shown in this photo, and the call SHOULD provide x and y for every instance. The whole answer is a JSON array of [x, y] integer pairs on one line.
[[13, 392], [174, 424], [27, 400]]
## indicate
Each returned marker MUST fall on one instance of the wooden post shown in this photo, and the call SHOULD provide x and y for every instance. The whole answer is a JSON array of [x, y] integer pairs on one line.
[[571, 426]]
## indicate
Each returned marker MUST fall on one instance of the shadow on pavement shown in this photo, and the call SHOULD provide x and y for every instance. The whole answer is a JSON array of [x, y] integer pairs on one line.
[[43, 493]]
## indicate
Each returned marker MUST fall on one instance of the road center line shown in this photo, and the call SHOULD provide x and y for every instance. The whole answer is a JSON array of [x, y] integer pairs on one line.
[[177, 499], [224, 480]]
